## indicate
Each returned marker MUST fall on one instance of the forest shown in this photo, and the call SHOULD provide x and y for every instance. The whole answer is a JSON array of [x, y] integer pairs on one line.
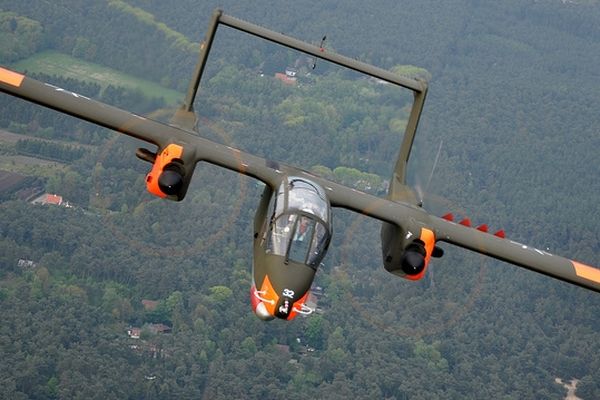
[[512, 110]]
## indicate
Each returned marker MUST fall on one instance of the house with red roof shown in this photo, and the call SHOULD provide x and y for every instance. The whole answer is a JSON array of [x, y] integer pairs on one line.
[[48, 198]]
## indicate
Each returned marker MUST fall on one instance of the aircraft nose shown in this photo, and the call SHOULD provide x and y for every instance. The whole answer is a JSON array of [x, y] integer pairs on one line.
[[258, 306], [262, 312]]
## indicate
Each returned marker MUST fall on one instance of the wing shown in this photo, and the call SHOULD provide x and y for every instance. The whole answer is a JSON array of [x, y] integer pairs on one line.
[[271, 173], [507, 250], [516, 253], [159, 134], [469, 238]]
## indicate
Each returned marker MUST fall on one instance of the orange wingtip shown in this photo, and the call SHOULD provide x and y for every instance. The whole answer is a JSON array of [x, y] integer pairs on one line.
[[10, 77], [586, 272]]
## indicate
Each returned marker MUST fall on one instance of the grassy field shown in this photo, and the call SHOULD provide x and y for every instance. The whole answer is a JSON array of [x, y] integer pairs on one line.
[[31, 166], [55, 63]]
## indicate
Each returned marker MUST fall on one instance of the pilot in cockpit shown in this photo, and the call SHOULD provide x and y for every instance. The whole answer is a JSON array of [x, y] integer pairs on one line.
[[302, 229]]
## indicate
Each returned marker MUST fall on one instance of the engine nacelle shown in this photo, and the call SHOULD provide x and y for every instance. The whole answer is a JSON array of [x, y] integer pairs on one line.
[[170, 175], [405, 254], [414, 260]]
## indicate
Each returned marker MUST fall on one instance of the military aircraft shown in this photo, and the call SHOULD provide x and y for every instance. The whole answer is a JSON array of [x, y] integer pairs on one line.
[[292, 225]]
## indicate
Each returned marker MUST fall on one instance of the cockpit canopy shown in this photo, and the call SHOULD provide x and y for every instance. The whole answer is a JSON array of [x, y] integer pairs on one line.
[[299, 194], [299, 222]]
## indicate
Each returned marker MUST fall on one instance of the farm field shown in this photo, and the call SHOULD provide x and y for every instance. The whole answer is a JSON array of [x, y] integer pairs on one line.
[[9, 180], [12, 138], [23, 164], [56, 63]]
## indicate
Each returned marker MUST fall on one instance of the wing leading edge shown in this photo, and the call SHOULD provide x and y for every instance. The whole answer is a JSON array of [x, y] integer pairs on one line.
[[468, 238], [161, 135], [410, 217], [517, 253]]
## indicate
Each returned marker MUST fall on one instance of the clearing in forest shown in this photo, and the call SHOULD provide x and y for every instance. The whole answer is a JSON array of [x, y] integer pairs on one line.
[[60, 64]]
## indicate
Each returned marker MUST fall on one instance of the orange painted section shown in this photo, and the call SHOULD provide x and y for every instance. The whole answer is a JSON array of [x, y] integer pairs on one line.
[[268, 293], [253, 299], [166, 156], [428, 237], [586, 272], [298, 304], [10, 77]]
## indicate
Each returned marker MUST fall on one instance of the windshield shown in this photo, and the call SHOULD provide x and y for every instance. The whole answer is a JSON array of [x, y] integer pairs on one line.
[[299, 238]]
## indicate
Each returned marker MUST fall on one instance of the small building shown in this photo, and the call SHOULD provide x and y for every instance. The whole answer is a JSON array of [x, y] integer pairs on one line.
[[291, 72], [48, 198], [25, 264], [53, 199], [285, 79], [159, 328], [317, 291], [289, 77], [134, 333]]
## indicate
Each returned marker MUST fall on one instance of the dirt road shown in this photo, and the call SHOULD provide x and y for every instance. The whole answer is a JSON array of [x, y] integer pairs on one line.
[[571, 387]]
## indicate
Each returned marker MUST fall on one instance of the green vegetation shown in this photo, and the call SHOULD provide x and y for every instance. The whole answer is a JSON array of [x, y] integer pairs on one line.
[[412, 72], [514, 97], [65, 66], [49, 150], [21, 36], [179, 40]]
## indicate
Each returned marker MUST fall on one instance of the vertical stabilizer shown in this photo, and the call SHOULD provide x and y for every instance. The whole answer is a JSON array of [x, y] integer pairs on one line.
[[398, 190]]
